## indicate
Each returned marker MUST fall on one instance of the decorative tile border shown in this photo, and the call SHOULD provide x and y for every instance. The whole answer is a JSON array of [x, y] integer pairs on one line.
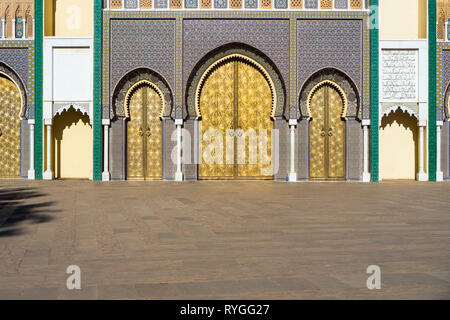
[[38, 105], [432, 147], [374, 98], [441, 81], [97, 154]]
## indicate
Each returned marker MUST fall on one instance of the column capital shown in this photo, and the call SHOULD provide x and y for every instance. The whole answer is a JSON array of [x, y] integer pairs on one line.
[[179, 122], [422, 123], [365, 122], [292, 122], [31, 121], [106, 122], [48, 122]]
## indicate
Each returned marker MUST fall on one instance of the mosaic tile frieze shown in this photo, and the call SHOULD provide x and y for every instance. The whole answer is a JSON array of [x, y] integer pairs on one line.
[[138, 44], [194, 81], [330, 74], [17, 61], [120, 93], [336, 44], [202, 37]]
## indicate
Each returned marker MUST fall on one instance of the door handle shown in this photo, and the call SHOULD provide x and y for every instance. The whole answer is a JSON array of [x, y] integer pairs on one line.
[[141, 133], [322, 133], [330, 132], [148, 132]]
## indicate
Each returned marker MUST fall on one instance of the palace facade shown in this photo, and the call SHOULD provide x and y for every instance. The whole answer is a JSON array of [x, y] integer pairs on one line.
[[224, 89]]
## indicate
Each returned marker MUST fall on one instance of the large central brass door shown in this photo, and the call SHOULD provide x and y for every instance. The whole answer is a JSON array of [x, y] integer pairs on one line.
[[326, 135], [144, 135], [236, 103], [9, 129]]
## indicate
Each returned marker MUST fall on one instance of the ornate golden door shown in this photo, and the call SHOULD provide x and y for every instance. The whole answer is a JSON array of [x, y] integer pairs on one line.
[[10, 102], [144, 135], [235, 104], [326, 135]]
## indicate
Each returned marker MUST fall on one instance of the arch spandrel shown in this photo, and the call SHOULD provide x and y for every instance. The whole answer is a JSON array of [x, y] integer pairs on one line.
[[139, 77], [341, 82], [10, 74], [446, 110], [221, 55]]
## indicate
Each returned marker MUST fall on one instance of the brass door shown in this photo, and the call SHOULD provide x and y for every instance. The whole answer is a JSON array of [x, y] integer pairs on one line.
[[236, 102], [10, 102], [144, 135], [326, 135]]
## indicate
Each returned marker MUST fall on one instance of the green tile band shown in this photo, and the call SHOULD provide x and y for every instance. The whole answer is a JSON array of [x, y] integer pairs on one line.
[[38, 101], [374, 62], [97, 135], [432, 148]]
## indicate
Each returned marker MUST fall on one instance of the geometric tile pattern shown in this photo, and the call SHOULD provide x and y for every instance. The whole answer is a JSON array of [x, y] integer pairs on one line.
[[254, 37], [355, 150], [311, 4], [442, 78], [203, 36], [251, 4], [281, 4], [190, 4], [18, 55], [161, 4], [220, 4], [336, 43], [131, 4], [132, 42], [340, 4]]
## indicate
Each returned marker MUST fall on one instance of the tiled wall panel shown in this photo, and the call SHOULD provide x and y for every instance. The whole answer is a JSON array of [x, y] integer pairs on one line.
[[116, 150]]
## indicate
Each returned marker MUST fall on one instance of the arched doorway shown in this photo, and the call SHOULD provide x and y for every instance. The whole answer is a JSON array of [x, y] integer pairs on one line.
[[144, 132], [10, 109], [236, 102], [327, 133], [398, 146], [72, 145]]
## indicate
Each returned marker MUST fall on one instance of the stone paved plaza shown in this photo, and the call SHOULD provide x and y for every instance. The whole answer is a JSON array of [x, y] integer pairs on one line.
[[224, 240]]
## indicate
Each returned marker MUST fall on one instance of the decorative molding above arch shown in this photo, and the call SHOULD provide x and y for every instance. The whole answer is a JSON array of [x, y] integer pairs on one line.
[[139, 77], [341, 82], [338, 89], [135, 87], [11, 75], [78, 107], [403, 108], [247, 55]]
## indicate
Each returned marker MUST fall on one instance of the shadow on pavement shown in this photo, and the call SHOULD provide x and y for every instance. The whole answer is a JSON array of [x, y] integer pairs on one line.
[[14, 212]]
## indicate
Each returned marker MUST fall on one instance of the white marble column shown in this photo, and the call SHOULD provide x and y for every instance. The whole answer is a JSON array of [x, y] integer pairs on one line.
[[13, 28], [292, 171], [106, 176], [421, 175], [31, 172], [24, 28], [366, 173], [179, 173], [48, 174], [439, 173], [3, 29]]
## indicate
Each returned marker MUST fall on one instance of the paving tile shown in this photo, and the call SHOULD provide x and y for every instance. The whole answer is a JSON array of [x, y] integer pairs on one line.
[[217, 240]]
